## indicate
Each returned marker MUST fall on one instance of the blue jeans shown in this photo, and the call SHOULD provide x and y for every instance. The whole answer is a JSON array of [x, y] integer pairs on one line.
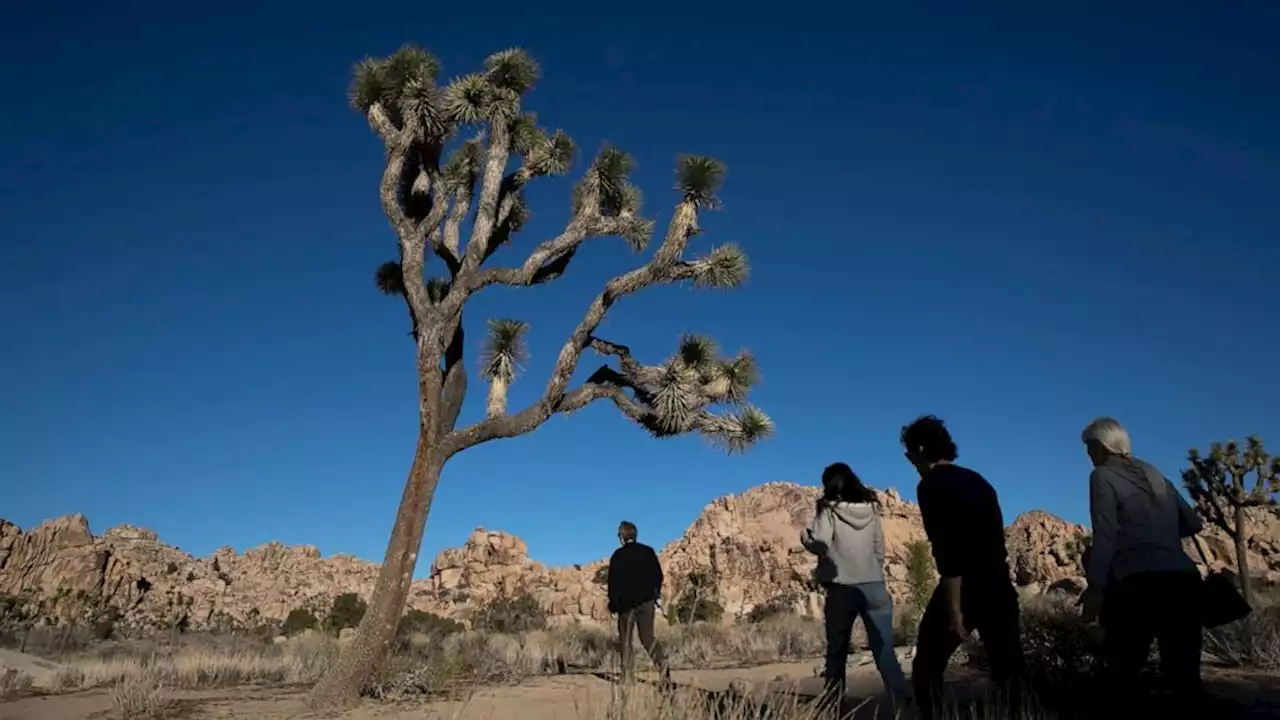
[[872, 603]]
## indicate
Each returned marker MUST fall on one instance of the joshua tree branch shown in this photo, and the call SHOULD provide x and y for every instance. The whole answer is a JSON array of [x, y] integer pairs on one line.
[[411, 240], [499, 151], [658, 270], [538, 267]]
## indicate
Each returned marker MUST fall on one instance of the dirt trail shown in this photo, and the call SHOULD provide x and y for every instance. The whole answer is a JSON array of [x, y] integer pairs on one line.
[[562, 697]]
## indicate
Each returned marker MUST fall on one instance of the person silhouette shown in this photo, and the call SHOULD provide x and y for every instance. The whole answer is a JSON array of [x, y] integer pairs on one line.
[[965, 527], [634, 587]]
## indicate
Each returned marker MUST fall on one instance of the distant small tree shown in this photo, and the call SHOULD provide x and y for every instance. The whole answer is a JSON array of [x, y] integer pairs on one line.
[[698, 601], [459, 158], [921, 579], [419, 621], [1219, 484], [510, 613], [299, 619], [777, 606], [346, 612], [601, 577]]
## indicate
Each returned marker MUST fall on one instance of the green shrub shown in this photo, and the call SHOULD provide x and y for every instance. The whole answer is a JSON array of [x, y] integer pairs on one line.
[[509, 614], [921, 581], [347, 611], [1063, 653], [417, 621], [780, 606], [298, 620], [105, 626], [698, 602]]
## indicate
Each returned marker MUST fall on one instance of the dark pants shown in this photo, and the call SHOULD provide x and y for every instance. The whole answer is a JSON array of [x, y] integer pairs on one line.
[[872, 603], [639, 620], [991, 608], [1147, 607]]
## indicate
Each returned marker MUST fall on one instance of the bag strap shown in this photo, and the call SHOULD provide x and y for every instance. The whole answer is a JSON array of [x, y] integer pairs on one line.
[[1153, 475], [1200, 549]]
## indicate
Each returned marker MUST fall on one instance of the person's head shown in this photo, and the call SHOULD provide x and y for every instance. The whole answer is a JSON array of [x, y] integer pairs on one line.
[[627, 532], [927, 443], [1105, 438], [841, 484]]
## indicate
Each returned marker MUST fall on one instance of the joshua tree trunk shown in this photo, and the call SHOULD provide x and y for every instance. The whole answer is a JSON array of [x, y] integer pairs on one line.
[[377, 631], [1242, 554]]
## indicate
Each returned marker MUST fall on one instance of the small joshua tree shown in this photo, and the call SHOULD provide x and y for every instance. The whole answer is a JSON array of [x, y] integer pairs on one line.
[[1219, 484], [450, 153]]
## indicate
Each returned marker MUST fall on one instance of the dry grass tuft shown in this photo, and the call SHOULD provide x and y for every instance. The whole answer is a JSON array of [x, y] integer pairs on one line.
[[1251, 643], [143, 695], [200, 665], [14, 683]]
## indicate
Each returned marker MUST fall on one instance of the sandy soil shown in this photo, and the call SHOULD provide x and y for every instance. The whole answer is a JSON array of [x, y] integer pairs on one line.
[[562, 697]]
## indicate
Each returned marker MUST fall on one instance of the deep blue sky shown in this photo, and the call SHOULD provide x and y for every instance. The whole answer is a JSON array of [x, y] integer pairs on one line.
[[1018, 219]]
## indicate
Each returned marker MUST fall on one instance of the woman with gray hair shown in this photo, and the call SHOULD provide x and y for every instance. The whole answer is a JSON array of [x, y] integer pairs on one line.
[[1142, 586]]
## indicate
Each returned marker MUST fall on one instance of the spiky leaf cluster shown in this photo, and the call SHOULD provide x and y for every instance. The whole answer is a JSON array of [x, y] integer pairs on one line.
[[505, 349], [699, 179], [680, 395]]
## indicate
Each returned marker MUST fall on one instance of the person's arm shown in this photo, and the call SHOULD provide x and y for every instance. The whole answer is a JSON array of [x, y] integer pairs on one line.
[[940, 525], [1103, 516], [877, 543], [614, 586], [1189, 522], [656, 574], [818, 536]]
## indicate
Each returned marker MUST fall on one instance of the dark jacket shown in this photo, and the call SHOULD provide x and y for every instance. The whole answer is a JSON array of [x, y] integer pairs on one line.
[[1139, 519], [635, 577], [965, 525]]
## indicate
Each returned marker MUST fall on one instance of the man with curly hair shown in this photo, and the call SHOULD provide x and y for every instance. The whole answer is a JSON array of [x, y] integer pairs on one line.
[[965, 525]]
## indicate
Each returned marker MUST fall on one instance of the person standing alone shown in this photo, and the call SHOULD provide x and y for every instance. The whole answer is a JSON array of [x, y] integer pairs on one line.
[[965, 526], [635, 584]]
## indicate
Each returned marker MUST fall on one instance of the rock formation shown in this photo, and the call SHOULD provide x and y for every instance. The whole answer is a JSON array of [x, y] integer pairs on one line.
[[747, 543]]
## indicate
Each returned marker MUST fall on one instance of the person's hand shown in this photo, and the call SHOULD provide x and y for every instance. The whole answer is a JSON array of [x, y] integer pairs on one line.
[[1090, 605], [957, 626]]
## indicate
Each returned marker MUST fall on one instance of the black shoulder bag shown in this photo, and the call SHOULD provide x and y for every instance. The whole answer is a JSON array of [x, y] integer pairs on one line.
[[1220, 600]]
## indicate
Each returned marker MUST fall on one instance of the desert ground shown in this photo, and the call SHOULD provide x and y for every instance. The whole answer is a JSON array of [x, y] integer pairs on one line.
[[727, 671]]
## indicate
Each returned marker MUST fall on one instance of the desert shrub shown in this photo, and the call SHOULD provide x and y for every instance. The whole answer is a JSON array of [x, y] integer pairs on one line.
[[347, 611], [1063, 652], [299, 619], [1253, 642], [601, 576], [13, 683], [698, 602], [780, 606], [142, 695], [510, 613], [105, 626], [921, 581], [417, 621]]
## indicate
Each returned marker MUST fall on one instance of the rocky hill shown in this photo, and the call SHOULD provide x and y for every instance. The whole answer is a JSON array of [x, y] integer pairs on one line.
[[748, 543]]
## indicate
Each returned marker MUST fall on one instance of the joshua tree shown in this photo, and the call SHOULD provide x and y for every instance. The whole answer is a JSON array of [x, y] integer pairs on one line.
[[427, 192], [1220, 487]]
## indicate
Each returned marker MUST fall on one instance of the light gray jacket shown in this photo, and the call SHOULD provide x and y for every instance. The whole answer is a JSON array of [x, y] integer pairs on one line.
[[849, 542], [1139, 520]]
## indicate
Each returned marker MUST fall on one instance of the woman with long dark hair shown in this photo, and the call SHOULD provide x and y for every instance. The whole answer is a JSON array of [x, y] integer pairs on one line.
[[848, 539]]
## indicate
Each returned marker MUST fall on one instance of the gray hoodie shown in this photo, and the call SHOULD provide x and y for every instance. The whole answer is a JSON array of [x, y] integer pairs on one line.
[[849, 543], [1139, 520]]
